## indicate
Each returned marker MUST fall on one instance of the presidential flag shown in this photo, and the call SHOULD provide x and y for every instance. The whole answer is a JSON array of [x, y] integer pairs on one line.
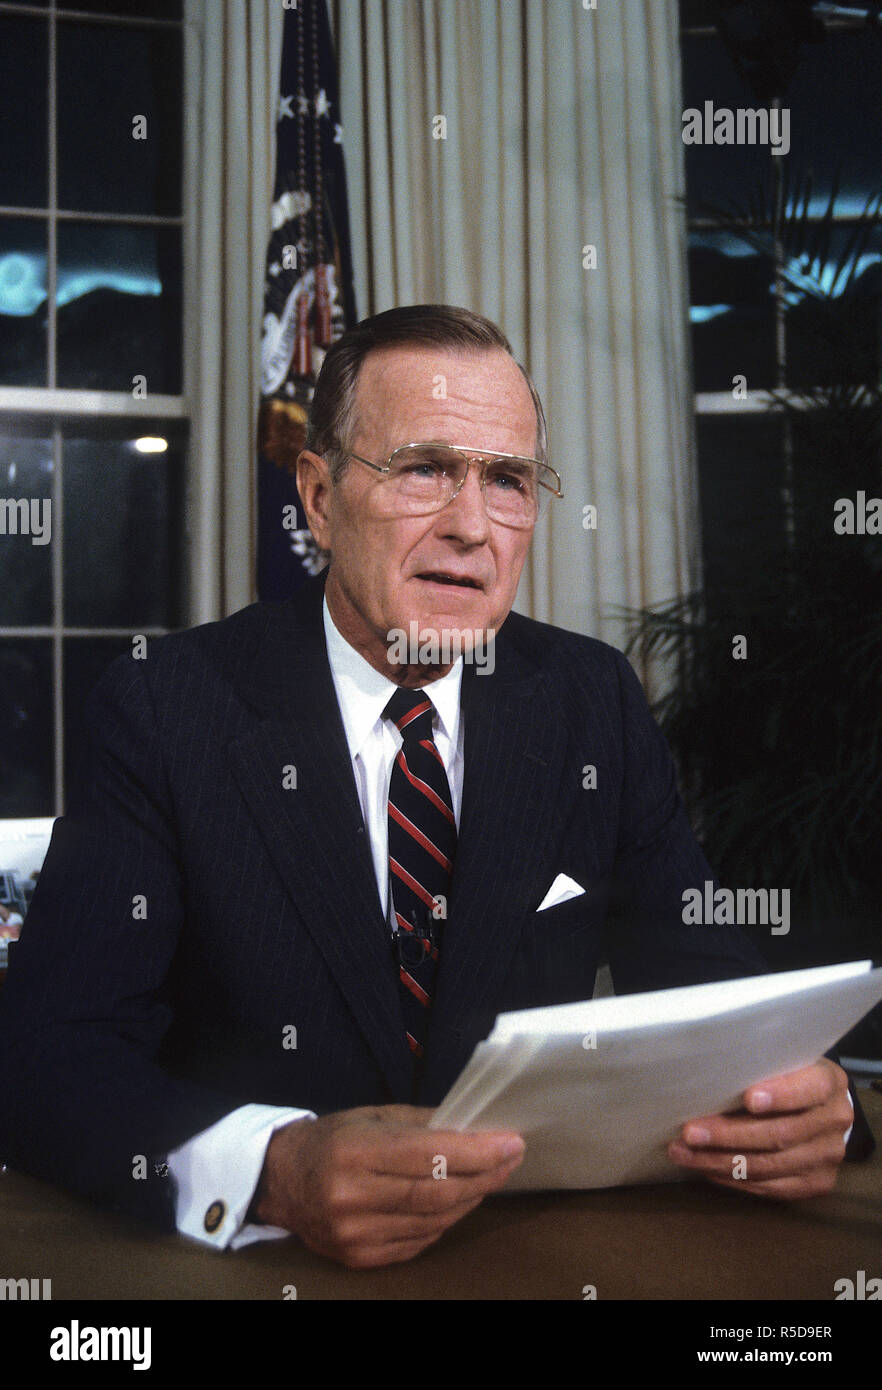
[[309, 298]]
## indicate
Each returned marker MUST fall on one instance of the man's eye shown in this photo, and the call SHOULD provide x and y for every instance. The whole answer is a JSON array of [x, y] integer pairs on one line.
[[428, 465], [424, 468], [508, 481]]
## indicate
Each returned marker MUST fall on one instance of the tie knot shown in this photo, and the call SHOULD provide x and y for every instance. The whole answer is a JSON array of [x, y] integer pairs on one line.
[[411, 711]]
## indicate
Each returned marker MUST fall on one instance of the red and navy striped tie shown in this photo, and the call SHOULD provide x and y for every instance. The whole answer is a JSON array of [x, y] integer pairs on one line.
[[422, 845]]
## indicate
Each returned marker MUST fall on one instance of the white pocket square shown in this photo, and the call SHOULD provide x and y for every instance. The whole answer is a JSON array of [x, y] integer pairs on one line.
[[561, 890]]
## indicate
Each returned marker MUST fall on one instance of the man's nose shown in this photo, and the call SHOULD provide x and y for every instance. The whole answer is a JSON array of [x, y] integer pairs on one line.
[[465, 515]]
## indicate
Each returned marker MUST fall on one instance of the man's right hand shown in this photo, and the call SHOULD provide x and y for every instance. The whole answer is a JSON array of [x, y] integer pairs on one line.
[[364, 1187]]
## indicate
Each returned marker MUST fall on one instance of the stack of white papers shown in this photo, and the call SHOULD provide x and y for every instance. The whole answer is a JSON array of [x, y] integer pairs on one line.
[[599, 1089]]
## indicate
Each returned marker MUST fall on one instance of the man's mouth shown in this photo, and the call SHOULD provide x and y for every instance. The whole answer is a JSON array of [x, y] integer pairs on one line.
[[458, 581]]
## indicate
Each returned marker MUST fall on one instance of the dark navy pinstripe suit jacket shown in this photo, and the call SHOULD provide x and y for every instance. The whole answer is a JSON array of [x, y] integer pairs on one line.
[[126, 1029]]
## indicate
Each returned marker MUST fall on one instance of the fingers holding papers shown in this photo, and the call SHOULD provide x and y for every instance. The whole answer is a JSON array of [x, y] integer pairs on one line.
[[787, 1143], [375, 1185]]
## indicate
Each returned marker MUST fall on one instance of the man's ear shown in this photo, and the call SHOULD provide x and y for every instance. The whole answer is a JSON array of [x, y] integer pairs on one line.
[[314, 486]]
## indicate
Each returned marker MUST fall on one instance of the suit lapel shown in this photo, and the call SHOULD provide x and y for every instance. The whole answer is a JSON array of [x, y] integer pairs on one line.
[[314, 831], [513, 753]]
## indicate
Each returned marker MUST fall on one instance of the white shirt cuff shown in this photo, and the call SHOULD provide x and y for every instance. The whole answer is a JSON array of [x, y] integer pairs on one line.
[[850, 1127], [216, 1175]]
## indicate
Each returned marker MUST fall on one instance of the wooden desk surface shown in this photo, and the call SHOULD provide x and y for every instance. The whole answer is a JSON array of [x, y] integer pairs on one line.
[[678, 1241]]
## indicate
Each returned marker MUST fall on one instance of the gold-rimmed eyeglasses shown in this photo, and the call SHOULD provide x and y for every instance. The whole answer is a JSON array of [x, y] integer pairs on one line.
[[423, 478]]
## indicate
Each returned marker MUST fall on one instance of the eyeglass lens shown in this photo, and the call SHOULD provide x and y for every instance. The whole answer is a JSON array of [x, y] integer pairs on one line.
[[425, 477]]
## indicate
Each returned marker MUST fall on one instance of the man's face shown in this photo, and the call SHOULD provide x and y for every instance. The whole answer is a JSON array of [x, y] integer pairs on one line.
[[454, 571]]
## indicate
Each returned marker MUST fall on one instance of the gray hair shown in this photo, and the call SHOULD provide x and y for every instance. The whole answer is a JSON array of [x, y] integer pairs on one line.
[[332, 413]]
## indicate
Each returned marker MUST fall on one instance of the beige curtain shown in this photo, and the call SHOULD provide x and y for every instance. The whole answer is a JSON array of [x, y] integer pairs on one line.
[[562, 132], [232, 55]]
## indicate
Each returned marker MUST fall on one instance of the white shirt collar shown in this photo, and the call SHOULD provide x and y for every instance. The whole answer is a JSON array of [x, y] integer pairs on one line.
[[363, 692]]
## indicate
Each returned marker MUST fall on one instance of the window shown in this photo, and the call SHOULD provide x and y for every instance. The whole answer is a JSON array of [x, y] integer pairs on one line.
[[93, 423], [747, 340], [835, 128], [776, 714]]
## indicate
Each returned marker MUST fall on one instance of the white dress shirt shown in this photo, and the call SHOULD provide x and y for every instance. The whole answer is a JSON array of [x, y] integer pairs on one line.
[[216, 1172]]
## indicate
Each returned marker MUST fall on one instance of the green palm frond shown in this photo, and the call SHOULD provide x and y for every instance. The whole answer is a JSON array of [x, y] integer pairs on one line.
[[803, 244]]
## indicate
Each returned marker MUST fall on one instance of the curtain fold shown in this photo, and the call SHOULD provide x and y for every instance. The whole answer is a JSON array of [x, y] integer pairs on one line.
[[233, 55], [562, 132]]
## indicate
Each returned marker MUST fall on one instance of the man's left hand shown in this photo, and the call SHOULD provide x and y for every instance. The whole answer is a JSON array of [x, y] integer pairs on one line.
[[789, 1144]]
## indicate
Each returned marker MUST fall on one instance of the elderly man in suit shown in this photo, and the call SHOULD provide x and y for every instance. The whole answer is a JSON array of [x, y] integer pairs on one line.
[[304, 872]]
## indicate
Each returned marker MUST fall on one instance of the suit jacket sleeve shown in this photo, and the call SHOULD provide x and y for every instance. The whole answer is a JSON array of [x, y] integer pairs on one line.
[[84, 1010], [657, 858]]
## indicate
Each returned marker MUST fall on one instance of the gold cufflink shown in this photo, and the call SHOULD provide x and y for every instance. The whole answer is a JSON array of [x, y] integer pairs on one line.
[[214, 1216]]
